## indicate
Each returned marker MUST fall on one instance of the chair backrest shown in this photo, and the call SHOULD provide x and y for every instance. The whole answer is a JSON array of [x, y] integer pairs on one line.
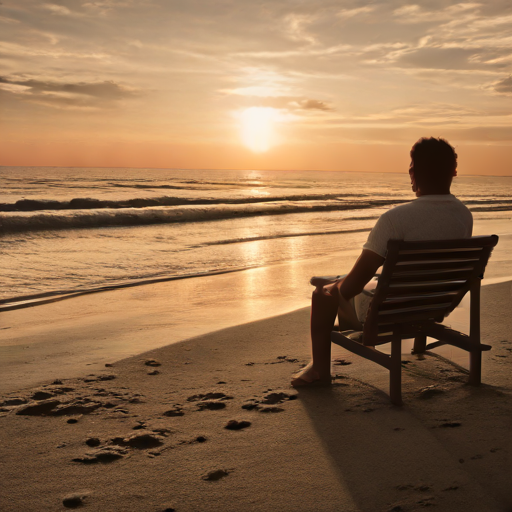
[[423, 282]]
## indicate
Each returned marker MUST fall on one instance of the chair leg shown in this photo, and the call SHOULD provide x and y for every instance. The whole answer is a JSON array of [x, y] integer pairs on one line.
[[475, 356], [420, 342], [475, 367], [395, 373]]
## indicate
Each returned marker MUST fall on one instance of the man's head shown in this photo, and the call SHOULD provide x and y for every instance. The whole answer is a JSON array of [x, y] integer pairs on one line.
[[433, 166]]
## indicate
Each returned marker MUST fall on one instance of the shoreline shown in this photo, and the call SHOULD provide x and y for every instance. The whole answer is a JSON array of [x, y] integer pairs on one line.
[[52, 287], [120, 325], [81, 335]]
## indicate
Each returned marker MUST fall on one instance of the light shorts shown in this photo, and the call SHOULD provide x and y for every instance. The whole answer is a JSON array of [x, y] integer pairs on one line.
[[362, 301]]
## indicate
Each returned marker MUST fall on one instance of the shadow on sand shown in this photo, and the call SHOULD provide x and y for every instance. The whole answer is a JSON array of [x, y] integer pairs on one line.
[[443, 452]]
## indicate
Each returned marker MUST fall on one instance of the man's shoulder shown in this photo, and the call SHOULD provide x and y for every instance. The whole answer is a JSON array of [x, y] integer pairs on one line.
[[399, 209], [426, 207], [425, 202]]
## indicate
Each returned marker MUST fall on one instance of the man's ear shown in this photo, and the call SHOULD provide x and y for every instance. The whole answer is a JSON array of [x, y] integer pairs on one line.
[[413, 180]]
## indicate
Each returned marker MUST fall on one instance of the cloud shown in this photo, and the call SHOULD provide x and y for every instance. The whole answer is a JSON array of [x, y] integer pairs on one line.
[[309, 104], [281, 102], [350, 13], [455, 58], [296, 28], [415, 14], [58, 9], [66, 95], [504, 86]]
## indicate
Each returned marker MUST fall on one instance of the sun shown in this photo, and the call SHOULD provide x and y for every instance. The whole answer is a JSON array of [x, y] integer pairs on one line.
[[257, 128]]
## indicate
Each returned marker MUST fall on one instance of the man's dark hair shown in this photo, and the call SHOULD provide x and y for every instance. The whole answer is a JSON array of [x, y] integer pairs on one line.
[[434, 161]]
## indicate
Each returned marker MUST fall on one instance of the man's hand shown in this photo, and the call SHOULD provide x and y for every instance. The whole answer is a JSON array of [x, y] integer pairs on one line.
[[362, 271]]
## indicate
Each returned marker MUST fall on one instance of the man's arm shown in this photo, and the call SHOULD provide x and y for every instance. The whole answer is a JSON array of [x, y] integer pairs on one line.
[[362, 271]]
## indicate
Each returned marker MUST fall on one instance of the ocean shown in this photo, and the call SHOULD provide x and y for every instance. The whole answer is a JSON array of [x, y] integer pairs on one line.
[[66, 230]]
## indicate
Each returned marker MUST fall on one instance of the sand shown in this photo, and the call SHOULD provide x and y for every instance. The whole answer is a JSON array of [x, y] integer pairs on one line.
[[148, 433]]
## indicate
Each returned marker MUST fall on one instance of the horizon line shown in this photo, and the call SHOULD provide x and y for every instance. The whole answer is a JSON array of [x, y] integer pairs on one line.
[[233, 169]]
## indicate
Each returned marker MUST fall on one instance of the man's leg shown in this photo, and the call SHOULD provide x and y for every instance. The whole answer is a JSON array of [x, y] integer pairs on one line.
[[324, 308], [326, 303]]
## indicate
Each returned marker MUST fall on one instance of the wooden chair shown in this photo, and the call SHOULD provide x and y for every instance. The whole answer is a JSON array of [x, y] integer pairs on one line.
[[420, 284]]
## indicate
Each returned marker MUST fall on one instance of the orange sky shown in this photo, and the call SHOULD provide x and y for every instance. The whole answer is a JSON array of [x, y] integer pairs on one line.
[[254, 84]]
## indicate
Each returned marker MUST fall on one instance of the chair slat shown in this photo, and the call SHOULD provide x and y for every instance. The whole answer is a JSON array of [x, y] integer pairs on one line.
[[395, 309], [426, 284], [449, 275], [439, 250], [420, 302], [425, 287], [410, 266], [402, 272], [409, 296], [445, 256], [433, 314], [429, 245]]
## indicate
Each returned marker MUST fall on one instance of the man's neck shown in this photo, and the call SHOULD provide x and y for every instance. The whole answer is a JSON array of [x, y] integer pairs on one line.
[[420, 193]]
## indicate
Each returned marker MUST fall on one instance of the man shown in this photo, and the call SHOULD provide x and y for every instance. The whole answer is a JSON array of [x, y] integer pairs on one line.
[[435, 215]]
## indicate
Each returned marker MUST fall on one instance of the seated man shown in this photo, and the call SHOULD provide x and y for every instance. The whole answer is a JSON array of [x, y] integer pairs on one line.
[[435, 215]]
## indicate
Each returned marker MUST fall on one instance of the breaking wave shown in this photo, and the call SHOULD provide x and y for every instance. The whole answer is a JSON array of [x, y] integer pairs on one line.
[[183, 210], [95, 218], [25, 205]]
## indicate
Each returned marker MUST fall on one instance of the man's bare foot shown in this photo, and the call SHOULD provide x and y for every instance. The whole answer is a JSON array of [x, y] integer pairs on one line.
[[310, 377]]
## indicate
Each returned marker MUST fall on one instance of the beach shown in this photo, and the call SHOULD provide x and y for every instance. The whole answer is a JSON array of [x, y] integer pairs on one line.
[[148, 432]]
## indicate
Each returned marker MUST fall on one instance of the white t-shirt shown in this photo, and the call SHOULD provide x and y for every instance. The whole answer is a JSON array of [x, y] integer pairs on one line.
[[431, 217]]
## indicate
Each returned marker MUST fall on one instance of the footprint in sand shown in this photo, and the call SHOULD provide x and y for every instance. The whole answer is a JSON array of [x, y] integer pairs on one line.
[[215, 475], [278, 397], [341, 362], [175, 411], [75, 499], [450, 424], [14, 401], [268, 401], [285, 359], [209, 396], [237, 425], [251, 404], [119, 446], [141, 440], [210, 401], [42, 395], [210, 405], [270, 408], [104, 455]]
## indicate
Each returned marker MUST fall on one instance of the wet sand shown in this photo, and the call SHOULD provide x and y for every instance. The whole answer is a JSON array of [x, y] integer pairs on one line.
[[211, 424]]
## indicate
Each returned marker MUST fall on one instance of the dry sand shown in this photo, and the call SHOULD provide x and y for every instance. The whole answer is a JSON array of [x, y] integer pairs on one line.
[[145, 435]]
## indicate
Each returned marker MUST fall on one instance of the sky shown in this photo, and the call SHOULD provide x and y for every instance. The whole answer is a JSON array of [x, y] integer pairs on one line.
[[250, 84]]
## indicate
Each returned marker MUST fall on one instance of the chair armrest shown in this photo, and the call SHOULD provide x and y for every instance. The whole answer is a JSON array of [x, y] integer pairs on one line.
[[320, 281]]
